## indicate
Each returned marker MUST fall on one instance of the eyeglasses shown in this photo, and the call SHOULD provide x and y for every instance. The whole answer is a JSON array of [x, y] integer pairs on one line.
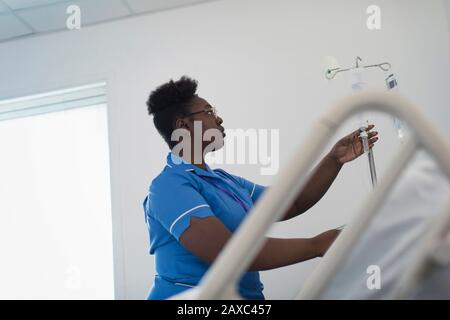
[[210, 111]]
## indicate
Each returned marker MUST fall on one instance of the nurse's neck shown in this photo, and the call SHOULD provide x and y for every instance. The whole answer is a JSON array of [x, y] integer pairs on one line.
[[191, 159]]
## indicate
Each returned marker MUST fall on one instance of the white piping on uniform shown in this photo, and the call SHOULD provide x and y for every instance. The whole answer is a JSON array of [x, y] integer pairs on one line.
[[183, 284], [254, 185], [185, 213]]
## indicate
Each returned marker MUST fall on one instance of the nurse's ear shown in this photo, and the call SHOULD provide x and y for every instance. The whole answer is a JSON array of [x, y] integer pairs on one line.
[[181, 123]]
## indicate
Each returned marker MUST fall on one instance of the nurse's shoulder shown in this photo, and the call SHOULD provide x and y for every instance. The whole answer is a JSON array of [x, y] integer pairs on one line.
[[170, 178], [169, 188]]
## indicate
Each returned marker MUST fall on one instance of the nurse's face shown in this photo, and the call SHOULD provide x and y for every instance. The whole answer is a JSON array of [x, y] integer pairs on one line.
[[204, 124]]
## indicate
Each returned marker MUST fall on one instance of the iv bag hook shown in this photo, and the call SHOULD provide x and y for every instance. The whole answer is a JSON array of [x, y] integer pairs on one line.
[[331, 73]]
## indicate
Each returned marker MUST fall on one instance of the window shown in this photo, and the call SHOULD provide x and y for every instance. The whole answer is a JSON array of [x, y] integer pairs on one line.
[[55, 203]]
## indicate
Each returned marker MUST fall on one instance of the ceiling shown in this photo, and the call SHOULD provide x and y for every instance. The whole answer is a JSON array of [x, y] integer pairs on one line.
[[21, 18]]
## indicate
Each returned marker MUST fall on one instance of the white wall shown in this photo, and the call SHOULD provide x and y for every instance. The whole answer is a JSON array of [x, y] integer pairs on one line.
[[447, 5], [260, 64]]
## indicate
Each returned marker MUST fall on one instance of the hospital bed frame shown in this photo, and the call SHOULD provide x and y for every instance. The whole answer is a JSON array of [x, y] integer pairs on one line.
[[220, 282]]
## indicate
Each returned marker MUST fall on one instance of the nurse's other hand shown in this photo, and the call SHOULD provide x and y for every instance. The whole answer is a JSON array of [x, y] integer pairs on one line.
[[350, 147], [324, 240]]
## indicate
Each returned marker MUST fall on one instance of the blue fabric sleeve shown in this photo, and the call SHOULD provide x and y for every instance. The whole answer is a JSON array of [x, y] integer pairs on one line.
[[173, 202]]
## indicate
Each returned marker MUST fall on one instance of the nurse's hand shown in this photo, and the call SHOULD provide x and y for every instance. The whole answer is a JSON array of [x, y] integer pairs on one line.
[[350, 147], [323, 241]]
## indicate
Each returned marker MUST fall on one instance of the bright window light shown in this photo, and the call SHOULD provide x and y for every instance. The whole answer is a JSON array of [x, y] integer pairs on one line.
[[55, 202]]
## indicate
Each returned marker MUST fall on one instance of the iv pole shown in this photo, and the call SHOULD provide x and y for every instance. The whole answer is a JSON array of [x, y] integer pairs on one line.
[[330, 74]]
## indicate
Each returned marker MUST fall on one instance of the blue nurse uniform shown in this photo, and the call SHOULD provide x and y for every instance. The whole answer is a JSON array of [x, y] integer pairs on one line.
[[182, 191]]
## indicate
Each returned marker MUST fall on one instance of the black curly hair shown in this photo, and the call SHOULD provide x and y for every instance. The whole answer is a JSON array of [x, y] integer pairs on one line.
[[170, 101]]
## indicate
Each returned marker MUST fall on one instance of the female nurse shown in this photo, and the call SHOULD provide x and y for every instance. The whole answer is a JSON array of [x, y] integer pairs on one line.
[[192, 211]]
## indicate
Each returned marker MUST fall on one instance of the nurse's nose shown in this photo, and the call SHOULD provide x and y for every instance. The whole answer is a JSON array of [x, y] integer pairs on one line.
[[219, 120]]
